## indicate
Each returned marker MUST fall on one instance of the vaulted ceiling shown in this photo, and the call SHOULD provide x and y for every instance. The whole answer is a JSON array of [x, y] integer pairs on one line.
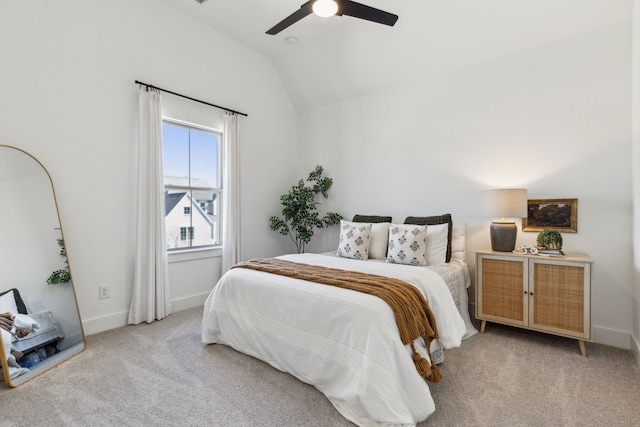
[[340, 57]]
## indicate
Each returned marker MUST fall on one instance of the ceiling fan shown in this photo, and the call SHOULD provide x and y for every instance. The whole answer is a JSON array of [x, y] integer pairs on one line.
[[326, 8]]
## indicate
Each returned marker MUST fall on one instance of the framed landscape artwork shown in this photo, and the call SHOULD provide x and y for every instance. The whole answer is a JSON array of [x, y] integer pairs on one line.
[[551, 214]]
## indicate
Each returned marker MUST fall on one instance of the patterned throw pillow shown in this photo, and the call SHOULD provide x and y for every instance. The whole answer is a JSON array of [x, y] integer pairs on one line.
[[434, 220], [407, 244], [354, 240]]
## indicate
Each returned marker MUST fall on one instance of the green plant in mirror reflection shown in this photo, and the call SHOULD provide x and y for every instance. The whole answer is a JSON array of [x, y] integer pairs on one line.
[[61, 276]]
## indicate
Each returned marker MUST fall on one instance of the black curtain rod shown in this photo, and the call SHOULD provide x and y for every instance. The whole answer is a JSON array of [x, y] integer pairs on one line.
[[189, 98]]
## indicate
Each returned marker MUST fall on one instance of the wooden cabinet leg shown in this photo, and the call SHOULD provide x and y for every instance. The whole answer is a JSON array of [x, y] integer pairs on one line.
[[484, 323], [583, 350]]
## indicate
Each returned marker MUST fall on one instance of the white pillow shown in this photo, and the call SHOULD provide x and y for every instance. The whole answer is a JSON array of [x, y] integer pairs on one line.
[[354, 240], [8, 303], [379, 240], [25, 321], [458, 242], [437, 240], [407, 244]]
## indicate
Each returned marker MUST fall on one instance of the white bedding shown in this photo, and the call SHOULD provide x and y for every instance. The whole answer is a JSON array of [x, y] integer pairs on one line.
[[343, 342]]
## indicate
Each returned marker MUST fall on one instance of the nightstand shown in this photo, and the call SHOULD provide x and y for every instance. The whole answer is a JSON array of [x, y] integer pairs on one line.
[[550, 294]]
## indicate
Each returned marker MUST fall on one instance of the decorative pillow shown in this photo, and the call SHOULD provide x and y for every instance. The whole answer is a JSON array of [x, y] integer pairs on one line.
[[371, 218], [354, 240], [458, 242], [25, 321], [407, 244], [379, 240], [437, 240], [8, 303], [434, 220]]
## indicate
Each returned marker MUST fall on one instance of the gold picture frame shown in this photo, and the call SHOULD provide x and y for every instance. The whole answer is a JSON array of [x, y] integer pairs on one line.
[[551, 214]]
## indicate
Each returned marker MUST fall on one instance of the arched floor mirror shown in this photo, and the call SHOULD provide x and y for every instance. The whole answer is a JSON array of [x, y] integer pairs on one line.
[[43, 327]]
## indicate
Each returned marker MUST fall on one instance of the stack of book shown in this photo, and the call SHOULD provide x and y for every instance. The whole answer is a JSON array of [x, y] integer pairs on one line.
[[544, 251]]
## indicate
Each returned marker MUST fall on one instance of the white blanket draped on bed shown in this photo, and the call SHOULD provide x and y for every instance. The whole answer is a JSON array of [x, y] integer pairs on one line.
[[343, 342]]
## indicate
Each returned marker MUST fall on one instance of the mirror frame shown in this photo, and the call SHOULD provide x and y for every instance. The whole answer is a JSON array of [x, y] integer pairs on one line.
[[63, 355]]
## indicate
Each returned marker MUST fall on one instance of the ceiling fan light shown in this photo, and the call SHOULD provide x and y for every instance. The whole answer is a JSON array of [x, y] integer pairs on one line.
[[325, 8]]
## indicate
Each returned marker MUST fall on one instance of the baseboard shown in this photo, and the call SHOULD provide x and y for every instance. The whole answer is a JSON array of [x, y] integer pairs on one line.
[[605, 336], [611, 337], [635, 348], [105, 323], [189, 302], [116, 320]]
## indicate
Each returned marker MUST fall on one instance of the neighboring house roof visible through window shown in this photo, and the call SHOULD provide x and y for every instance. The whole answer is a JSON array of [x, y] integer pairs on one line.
[[171, 200], [185, 182]]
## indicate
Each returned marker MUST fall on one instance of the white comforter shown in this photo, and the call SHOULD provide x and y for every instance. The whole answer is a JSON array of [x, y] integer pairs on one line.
[[343, 342]]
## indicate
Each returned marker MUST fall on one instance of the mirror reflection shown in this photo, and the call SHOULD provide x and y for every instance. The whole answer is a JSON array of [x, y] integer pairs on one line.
[[40, 323]]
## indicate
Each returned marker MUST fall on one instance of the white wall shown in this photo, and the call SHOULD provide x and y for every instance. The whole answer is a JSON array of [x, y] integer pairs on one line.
[[635, 342], [69, 98], [554, 119]]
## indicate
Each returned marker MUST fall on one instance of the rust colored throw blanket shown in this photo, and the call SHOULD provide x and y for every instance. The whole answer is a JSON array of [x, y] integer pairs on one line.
[[413, 315]]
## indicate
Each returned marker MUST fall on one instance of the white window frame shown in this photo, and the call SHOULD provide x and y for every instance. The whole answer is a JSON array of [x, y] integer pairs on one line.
[[207, 251]]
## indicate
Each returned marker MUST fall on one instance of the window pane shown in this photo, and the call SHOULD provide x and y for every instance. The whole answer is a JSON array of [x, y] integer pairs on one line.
[[204, 159], [192, 193], [175, 142]]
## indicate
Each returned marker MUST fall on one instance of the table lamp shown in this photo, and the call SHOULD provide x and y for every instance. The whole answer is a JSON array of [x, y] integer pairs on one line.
[[505, 203]]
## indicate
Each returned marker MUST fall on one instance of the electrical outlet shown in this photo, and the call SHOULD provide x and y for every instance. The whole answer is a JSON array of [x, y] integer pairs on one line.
[[105, 291]]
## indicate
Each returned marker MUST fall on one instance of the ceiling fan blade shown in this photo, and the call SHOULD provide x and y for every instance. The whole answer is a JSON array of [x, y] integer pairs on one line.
[[357, 10], [305, 9]]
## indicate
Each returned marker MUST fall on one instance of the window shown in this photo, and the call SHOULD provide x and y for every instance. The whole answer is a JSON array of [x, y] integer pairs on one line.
[[183, 233], [192, 185]]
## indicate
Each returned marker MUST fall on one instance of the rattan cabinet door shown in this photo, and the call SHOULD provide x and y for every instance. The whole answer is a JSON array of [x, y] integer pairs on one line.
[[559, 294], [502, 290]]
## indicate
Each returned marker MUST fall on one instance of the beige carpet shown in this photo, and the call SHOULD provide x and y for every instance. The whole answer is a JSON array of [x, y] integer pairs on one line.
[[161, 375]]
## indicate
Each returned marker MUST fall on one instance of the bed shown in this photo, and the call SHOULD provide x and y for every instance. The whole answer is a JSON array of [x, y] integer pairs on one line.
[[347, 343]]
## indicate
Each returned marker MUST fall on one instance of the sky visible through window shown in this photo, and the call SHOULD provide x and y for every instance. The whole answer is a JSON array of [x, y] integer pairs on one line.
[[192, 186], [191, 154]]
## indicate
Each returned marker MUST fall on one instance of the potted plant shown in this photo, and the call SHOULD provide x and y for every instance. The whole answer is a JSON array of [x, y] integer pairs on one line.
[[300, 213], [550, 239]]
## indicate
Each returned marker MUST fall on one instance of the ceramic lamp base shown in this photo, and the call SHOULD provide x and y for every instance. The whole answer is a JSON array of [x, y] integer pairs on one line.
[[503, 236]]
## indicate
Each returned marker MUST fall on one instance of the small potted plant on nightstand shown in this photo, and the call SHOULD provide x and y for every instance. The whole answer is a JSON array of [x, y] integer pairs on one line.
[[550, 241]]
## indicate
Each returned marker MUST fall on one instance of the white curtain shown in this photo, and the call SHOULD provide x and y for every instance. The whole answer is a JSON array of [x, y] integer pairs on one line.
[[151, 297], [231, 243]]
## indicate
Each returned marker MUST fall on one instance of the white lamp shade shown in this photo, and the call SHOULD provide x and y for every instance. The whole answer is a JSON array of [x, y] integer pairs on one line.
[[505, 203], [325, 8]]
